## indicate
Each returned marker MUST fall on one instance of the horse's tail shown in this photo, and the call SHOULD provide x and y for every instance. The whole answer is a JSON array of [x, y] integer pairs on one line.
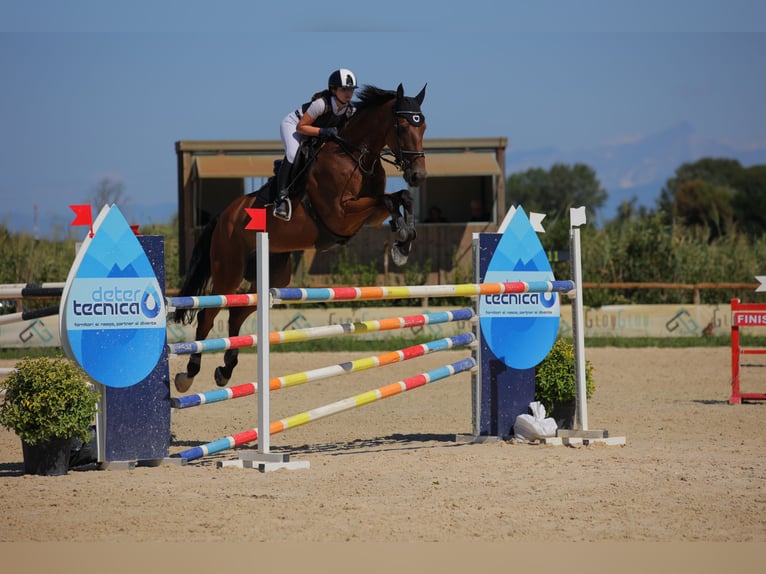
[[198, 273]]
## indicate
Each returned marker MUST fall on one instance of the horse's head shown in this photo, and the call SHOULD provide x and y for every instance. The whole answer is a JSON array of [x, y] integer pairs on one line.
[[406, 141]]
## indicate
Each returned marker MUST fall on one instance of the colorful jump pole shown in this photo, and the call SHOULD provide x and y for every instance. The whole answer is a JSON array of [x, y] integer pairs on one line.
[[355, 401], [345, 368], [297, 335], [213, 301], [21, 290], [28, 315], [305, 295]]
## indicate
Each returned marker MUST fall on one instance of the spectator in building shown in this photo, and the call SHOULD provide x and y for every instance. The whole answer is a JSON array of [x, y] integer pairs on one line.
[[477, 211], [435, 215]]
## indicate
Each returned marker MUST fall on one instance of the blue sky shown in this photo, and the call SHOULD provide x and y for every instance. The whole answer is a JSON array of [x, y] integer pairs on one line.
[[94, 89]]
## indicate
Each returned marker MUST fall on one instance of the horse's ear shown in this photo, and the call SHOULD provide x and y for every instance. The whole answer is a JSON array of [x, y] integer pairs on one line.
[[421, 96], [400, 92]]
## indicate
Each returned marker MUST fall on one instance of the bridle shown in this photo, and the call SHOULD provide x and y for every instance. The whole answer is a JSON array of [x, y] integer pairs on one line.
[[402, 158]]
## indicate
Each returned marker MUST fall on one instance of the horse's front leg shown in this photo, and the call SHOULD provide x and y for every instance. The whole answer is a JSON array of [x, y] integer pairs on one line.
[[399, 205], [237, 316], [184, 381]]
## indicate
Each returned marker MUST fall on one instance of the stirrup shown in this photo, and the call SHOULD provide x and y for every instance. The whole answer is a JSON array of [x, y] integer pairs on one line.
[[286, 213]]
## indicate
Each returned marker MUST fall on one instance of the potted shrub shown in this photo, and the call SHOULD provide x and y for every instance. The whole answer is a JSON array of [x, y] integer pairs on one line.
[[555, 385], [47, 403]]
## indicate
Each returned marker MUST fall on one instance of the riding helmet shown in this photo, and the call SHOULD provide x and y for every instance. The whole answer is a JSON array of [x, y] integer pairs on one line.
[[342, 78]]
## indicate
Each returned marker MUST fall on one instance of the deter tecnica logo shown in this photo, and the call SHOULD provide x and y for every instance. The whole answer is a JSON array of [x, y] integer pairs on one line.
[[519, 328], [113, 311]]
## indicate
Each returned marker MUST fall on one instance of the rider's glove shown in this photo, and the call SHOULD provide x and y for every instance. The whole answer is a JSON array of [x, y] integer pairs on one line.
[[328, 132]]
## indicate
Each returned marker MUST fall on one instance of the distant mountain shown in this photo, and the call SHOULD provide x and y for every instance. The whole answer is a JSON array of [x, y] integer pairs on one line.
[[638, 168]]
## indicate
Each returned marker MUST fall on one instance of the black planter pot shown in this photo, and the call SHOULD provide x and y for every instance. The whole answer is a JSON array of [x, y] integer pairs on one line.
[[48, 458], [564, 414]]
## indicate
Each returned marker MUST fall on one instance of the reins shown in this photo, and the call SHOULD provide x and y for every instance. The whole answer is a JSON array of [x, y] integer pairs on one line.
[[349, 148]]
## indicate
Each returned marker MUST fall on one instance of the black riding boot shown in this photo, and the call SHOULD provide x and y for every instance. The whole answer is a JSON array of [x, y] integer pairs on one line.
[[282, 208]]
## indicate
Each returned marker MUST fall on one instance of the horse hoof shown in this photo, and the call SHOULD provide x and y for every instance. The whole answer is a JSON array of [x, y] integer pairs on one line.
[[398, 257], [183, 382], [220, 379]]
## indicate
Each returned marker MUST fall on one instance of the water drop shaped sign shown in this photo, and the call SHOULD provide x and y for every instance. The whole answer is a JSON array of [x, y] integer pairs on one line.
[[519, 328], [112, 315]]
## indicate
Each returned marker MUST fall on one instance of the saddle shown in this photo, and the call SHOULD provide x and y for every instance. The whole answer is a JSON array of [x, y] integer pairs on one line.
[[297, 177], [304, 160]]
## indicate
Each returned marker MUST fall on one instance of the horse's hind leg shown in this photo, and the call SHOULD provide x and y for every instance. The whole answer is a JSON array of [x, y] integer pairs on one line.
[[184, 381], [279, 275]]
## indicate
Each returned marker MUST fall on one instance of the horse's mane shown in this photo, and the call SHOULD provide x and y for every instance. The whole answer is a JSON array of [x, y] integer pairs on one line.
[[372, 97]]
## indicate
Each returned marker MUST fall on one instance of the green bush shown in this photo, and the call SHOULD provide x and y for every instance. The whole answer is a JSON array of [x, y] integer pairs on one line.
[[47, 399], [555, 376]]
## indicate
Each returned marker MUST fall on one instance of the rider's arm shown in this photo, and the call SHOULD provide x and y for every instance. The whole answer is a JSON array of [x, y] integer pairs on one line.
[[305, 126]]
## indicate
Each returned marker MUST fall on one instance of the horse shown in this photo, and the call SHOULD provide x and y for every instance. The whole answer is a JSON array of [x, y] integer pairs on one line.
[[343, 189]]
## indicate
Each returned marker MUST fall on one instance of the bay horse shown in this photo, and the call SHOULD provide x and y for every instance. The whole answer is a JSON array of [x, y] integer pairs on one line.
[[343, 190]]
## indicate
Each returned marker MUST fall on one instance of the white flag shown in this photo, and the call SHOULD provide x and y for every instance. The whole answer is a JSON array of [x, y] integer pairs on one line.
[[577, 216]]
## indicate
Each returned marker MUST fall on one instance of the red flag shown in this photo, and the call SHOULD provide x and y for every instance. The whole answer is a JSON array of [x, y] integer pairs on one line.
[[83, 216], [257, 219]]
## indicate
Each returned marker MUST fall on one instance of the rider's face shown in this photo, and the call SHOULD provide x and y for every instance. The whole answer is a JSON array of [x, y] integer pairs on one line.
[[344, 95]]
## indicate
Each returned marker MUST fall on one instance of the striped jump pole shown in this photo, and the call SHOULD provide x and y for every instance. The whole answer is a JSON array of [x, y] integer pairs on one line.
[[349, 403], [345, 368], [298, 335], [306, 295], [28, 315], [21, 290], [213, 301]]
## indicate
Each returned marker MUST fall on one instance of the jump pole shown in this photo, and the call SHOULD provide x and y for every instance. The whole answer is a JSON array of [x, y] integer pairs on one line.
[[324, 294], [310, 333], [28, 315], [21, 290], [213, 301], [247, 459], [346, 368]]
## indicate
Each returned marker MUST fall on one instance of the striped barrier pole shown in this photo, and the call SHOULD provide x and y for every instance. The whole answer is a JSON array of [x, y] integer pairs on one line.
[[213, 301], [28, 315], [346, 368], [299, 295], [349, 403], [298, 335], [319, 294], [21, 290]]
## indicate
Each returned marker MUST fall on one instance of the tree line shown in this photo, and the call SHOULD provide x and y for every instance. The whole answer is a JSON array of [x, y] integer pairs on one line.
[[708, 225]]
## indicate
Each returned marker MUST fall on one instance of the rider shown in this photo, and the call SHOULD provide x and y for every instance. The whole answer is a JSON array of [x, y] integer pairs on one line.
[[327, 112]]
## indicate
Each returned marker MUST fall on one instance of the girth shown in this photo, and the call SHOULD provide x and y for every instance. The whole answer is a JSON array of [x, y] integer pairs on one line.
[[327, 238]]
